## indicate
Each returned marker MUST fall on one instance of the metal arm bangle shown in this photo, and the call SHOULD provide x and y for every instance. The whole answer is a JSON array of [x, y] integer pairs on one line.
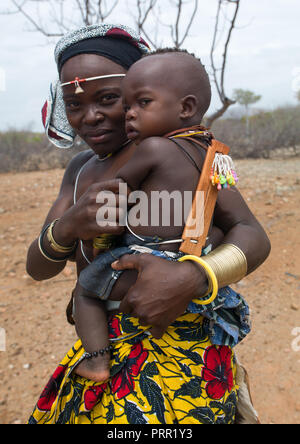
[[45, 254], [229, 264], [54, 245]]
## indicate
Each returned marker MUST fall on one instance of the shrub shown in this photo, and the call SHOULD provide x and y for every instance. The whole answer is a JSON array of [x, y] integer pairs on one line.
[[27, 151], [269, 130]]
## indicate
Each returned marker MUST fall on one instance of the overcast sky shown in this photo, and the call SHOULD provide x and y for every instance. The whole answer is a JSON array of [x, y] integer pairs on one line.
[[264, 57]]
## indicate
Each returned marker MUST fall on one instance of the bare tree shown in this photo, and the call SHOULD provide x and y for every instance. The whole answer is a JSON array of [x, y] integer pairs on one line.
[[218, 74], [150, 10], [176, 28], [62, 15], [144, 9], [65, 15]]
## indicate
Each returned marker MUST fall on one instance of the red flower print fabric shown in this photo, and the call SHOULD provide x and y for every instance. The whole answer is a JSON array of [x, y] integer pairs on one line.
[[50, 392], [181, 378], [123, 382], [217, 371], [92, 396]]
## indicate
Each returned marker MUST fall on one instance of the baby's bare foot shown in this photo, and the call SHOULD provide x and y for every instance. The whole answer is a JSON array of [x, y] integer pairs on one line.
[[95, 369]]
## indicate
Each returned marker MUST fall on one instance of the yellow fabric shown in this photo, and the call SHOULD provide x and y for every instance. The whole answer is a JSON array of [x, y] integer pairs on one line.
[[180, 378]]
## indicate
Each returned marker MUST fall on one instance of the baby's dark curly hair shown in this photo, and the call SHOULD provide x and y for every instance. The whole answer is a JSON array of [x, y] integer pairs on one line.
[[168, 50], [201, 84]]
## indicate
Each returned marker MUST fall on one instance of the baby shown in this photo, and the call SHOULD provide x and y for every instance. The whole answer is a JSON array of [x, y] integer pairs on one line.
[[163, 93]]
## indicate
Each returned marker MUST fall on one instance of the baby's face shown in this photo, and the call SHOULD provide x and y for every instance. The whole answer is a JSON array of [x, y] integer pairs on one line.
[[152, 107]]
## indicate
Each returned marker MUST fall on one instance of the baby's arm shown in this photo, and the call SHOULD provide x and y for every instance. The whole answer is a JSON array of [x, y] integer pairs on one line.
[[91, 327], [143, 161]]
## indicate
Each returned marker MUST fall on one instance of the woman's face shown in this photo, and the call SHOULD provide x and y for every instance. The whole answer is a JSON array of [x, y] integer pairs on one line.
[[96, 115]]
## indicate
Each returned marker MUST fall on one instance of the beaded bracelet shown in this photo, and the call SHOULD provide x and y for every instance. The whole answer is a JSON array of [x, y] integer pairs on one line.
[[95, 354]]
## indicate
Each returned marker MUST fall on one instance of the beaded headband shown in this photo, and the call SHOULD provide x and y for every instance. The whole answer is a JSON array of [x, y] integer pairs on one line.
[[76, 82]]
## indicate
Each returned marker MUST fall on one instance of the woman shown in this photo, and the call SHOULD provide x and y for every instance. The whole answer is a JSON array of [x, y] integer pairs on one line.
[[154, 379]]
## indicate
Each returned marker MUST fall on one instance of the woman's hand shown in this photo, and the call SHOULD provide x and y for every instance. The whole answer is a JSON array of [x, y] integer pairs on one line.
[[75, 222], [162, 291], [101, 209]]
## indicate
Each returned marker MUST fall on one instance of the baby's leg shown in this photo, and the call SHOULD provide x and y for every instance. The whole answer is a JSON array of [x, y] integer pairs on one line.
[[91, 327]]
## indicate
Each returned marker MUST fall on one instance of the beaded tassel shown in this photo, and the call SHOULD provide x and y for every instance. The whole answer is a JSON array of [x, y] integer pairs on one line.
[[223, 172]]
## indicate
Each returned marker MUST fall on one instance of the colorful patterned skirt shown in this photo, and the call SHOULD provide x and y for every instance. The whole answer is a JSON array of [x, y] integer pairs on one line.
[[179, 379]]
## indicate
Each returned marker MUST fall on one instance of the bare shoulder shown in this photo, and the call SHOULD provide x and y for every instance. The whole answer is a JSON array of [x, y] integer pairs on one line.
[[155, 148], [155, 143], [73, 168], [65, 198]]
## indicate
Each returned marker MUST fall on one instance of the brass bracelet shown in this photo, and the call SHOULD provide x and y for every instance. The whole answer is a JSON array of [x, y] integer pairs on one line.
[[229, 264], [104, 241], [44, 253], [54, 245]]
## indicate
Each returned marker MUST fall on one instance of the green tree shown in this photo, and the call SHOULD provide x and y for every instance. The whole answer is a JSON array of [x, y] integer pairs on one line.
[[246, 98]]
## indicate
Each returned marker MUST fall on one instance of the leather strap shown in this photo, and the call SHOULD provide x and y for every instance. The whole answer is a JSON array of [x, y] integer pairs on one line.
[[195, 243], [181, 131]]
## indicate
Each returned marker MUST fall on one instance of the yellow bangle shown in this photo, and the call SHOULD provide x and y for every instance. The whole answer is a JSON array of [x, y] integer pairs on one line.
[[210, 273]]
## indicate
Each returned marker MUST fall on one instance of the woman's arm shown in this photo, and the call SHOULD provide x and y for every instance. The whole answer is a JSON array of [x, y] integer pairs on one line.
[[75, 222], [241, 228], [164, 289], [38, 267]]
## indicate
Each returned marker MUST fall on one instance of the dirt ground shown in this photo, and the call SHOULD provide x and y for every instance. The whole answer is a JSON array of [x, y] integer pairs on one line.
[[33, 313]]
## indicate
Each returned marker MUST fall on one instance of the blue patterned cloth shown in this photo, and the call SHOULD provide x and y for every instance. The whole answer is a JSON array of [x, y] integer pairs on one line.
[[227, 317]]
